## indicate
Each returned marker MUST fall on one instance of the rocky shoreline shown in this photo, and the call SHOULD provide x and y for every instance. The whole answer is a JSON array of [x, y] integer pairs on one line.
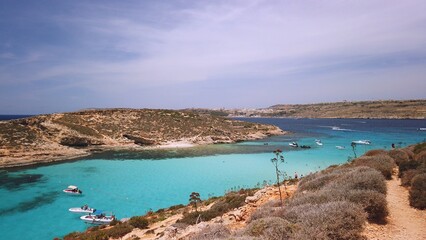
[[66, 136]]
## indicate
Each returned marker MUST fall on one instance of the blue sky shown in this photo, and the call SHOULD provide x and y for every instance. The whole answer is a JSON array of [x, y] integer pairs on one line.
[[58, 56]]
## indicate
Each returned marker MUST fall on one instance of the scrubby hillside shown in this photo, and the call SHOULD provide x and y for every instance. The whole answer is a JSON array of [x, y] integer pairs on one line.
[[411, 109], [64, 135]]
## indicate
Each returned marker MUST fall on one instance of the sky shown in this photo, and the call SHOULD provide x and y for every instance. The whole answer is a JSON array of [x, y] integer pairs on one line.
[[58, 56]]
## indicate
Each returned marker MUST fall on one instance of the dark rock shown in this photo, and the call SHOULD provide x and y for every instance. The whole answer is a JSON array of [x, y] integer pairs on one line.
[[75, 142], [139, 140]]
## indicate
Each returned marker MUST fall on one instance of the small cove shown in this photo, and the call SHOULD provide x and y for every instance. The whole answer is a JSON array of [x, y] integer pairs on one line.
[[131, 183]]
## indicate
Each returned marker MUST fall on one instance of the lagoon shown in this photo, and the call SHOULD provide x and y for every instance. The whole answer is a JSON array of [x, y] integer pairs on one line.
[[32, 205]]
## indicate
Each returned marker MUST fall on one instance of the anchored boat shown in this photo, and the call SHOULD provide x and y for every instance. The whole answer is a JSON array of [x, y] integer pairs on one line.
[[73, 190], [98, 217], [83, 209], [362, 142]]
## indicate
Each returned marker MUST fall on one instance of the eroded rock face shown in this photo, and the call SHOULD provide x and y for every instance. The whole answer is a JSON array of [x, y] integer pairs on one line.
[[140, 140]]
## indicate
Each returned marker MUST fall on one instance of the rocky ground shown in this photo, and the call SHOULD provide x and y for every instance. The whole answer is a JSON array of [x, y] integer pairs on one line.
[[234, 220], [55, 137]]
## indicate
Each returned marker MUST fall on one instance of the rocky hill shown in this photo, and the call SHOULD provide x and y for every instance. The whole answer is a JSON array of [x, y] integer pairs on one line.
[[407, 109], [53, 137]]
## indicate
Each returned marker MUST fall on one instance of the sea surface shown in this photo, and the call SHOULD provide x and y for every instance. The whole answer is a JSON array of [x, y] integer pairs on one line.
[[11, 117], [33, 206]]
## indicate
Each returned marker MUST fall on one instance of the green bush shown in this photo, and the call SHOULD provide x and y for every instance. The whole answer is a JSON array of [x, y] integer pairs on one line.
[[272, 228], [119, 230], [229, 201], [138, 222], [381, 163], [332, 220], [418, 191]]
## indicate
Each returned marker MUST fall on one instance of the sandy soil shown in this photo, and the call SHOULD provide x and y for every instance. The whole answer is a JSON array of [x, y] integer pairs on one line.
[[404, 222]]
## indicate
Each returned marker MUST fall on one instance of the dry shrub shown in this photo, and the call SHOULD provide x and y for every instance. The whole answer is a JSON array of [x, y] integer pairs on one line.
[[272, 228], [418, 191], [359, 178], [407, 176], [217, 231], [263, 212], [333, 220], [372, 202], [319, 180], [409, 152], [375, 152], [399, 156], [419, 148], [421, 157], [409, 165], [381, 163]]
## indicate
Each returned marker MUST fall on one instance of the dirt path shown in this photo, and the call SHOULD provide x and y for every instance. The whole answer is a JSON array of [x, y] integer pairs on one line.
[[404, 222]]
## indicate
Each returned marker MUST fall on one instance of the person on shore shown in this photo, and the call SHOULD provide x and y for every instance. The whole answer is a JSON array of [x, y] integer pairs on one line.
[[295, 175], [393, 145]]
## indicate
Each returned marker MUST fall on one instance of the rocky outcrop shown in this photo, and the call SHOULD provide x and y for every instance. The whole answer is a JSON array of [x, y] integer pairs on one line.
[[140, 140], [55, 137]]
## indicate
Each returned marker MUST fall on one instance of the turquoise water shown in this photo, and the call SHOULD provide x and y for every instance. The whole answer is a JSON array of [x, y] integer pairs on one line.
[[32, 205]]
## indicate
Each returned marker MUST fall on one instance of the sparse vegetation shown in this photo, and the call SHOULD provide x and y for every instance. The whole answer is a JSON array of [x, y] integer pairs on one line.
[[138, 222], [418, 191], [380, 162], [277, 161]]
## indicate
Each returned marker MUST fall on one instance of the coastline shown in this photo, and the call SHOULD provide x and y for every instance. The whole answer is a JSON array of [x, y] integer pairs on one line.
[[32, 158], [67, 136]]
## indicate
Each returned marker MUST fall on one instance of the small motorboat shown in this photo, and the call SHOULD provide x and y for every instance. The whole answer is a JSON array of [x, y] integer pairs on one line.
[[305, 146], [98, 217], [318, 142], [340, 147], [293, 144], [83, 209], [73, 190], [362, 142]]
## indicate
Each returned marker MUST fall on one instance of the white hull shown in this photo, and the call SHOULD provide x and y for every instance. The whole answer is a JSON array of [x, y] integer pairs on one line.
[[362, 142], [96, 220], [71, 192], [340, 147], [80, 210]]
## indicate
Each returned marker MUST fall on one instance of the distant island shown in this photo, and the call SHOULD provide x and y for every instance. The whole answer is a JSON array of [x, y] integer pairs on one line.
[[60, 136], [389, 109]]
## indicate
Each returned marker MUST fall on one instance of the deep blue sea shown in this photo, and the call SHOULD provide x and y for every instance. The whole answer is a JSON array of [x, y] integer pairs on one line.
[[10, 117], [33, 206]]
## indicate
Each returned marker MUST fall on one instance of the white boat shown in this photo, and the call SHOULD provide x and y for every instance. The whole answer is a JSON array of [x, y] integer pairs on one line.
[[73, 190], [422, 129], [293, 144], [98, 217], [362, 142], [82, 209], [318, 142], [340, 147]]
